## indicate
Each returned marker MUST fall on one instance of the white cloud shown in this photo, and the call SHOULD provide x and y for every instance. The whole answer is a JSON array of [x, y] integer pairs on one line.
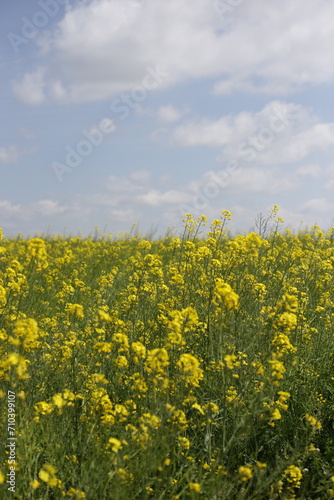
[[272, 180], [329, 173], [48, 208], [137, 190], [137, 197], [280, 133], [233, 128], [329, 185], [57, 91], [278, 47], [272, 47], [317, 138], [122, 190], [28, 134], [8, 208], [309, 171], [318, 206], [213, 185], [135, 193], [127, 215], [31, 90], [155, 197], [142, 176], [11, 154], [42, 209], [125, 185], [170, 113]]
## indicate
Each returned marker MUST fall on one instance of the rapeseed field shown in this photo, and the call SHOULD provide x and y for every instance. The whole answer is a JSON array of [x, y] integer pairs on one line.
[[191, 367]]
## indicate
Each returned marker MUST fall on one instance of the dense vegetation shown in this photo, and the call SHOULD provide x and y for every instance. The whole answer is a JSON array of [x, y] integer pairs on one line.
[[191, 367]]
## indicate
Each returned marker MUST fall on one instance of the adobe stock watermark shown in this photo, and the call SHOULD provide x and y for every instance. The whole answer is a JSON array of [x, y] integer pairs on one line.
[[217, 182], [121, 106], [12, 438], [249, 149], [75, 155], [128, 101], [278, 122], [31, 27], [225, 7]]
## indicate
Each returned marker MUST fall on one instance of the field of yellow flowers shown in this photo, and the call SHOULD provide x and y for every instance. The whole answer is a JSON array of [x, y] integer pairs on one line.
[[194, 367]]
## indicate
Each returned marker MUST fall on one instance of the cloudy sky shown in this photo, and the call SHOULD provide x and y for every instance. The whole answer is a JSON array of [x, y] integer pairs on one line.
[[117, 112]]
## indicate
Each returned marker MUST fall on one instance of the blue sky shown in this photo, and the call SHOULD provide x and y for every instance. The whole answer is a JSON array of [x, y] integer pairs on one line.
[[137, 111]]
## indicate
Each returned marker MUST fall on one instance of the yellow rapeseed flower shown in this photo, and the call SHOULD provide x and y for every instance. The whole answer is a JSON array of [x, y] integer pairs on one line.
[[293, 476], [245, 472], [189, 365], [58, 400], [75, 310], [313, 421], [184, 443], [275, 414], [223, 294], [34, 484], [195, 487], [115, 444]]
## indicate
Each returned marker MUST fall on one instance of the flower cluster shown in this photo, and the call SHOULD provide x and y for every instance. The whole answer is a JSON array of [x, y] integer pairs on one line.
[[194, 365]]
